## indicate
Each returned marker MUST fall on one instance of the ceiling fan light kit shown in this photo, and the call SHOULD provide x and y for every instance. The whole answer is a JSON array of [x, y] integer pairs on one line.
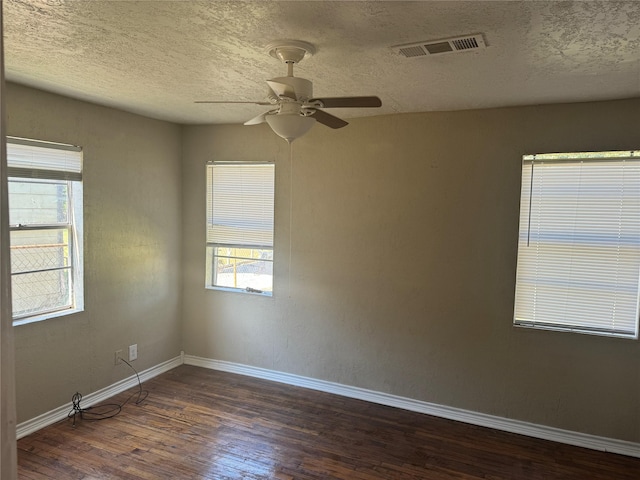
[[297, 110], [290, 125]]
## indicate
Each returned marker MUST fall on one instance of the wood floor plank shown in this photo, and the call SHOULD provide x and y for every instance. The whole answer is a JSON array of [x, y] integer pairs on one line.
[[203, 424]]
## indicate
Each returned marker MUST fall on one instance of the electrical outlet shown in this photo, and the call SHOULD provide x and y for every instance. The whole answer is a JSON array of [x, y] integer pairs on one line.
[[117, 357], [133, 352]]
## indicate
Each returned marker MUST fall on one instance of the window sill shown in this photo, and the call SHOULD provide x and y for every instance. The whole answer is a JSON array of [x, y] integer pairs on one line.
[[239, 290], [46, 316], [568, 329]]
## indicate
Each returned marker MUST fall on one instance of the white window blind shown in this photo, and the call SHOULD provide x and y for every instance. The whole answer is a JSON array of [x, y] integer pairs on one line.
[[240, 199], [45, 217], [44, 160], [579, 243]]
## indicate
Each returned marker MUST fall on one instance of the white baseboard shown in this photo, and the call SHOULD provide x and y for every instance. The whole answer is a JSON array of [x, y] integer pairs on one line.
[[508, 425], [25, 428]]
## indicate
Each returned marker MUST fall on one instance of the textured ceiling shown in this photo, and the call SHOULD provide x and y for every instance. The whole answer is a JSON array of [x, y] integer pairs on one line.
[[156, 57]]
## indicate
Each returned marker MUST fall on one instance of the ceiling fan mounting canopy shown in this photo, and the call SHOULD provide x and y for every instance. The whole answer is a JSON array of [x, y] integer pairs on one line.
[[297, 109], [290, 51]]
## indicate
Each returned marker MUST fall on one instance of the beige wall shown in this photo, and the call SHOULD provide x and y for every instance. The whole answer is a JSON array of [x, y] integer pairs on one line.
[[402, 249], [403, 254], [132, 241]]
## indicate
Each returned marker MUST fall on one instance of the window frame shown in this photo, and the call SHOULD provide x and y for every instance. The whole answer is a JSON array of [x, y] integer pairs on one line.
[[573, 222], [255, 242], [25, 171]]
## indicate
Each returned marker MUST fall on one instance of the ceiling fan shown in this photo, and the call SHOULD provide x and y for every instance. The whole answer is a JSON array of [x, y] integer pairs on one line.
[[296, 110]]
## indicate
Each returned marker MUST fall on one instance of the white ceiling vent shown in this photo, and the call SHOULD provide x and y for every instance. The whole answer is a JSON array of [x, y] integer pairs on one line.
[[438, 47]]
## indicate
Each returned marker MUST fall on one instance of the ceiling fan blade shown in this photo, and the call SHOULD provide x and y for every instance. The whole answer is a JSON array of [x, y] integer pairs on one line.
[[347, 102], [282, 89], [327, 119], [260, 118], [222, 101]]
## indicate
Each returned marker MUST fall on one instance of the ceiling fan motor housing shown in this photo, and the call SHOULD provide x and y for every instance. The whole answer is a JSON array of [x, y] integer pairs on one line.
[[302, 87]]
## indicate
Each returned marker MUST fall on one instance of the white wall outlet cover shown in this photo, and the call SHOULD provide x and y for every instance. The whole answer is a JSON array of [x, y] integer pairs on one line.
[[133, 352]]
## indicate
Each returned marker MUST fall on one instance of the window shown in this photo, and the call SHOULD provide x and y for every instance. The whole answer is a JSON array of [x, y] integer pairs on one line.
[[45, 217], [579, 243], [240, 200]]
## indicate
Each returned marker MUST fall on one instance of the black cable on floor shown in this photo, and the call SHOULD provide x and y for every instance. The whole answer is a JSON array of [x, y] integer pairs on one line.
[[104, 410]]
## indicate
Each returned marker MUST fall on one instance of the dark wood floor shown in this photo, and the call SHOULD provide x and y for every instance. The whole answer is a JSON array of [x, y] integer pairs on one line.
[[202, 424]]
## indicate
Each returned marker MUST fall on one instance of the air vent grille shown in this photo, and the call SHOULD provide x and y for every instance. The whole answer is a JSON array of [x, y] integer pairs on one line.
[[412, 52], [439, 47], [465, 43]]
